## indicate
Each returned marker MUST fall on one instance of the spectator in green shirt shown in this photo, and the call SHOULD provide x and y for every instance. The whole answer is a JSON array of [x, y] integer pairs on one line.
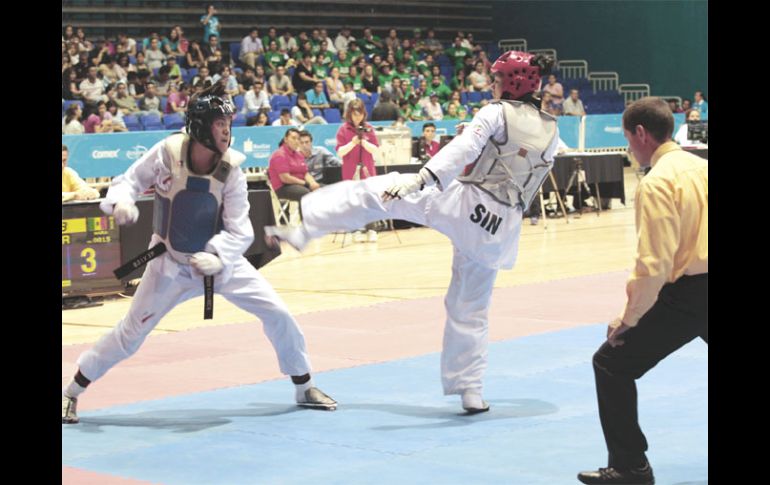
[[452, 112], [435, 71], [271, 36], [355, 79], [458, 53], [273, 57], [320, 69], [459, 82], [343, 64], [439, 88], [370, 44], [386, 77], [415, 110], [424, 65]]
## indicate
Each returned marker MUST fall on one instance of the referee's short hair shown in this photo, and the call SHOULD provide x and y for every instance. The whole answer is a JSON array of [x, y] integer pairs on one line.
[[653, 114]]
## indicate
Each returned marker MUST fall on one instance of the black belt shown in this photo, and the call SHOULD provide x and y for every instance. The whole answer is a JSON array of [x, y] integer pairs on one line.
[[140, 261], [208, 297], [154, 252]]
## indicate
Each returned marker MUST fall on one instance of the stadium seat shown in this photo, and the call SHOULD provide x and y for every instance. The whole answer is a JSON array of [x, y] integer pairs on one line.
[[332, 115], [474, 97], [70, 102], [272, 116], [279, 101], [151, 121], [132, 123], [238, 101], [173, 121], [239, 120]]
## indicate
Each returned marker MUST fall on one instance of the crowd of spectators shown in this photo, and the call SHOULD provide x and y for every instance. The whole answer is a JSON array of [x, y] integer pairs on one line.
[[414, 78], [423, 79]]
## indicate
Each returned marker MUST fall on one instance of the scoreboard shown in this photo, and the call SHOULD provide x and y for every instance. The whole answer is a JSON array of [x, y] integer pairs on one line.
[[90, 250], [93, 245]]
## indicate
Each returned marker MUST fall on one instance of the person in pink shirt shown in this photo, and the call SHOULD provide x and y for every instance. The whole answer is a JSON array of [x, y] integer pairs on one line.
[[428, 146], [556, 90], [288, 170], [356, 142], [356, 145], [100, 120], [177, 101]]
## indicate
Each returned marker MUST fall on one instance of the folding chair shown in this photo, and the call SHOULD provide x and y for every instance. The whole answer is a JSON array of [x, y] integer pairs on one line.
[[284, 206]]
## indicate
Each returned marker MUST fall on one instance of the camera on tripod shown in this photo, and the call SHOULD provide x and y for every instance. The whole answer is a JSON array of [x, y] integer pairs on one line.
[[578, 181], [698, 131]]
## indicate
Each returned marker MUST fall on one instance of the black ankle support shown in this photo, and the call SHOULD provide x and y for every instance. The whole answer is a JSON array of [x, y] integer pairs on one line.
[[300, 379], [81, 380]]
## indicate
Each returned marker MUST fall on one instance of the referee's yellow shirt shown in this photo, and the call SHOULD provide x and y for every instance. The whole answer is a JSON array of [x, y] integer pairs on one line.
[[672, 211]]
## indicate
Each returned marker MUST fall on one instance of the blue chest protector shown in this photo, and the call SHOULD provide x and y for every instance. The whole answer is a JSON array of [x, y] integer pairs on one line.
[[188, 208]]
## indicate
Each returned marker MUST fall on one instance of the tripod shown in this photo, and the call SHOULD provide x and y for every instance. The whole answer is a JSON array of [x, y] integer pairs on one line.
[[579, 175], [388, 222]]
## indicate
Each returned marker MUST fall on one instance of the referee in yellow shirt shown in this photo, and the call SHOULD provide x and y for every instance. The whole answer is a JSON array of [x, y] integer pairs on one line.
[[667, 291], [72, 186]]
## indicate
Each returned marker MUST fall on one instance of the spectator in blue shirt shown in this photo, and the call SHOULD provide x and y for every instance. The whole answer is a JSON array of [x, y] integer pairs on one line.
[[316, 97], [701, 104], [210, 23]]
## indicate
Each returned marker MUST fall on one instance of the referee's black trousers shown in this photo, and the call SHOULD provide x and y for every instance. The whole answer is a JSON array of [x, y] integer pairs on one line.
[[678, 316]]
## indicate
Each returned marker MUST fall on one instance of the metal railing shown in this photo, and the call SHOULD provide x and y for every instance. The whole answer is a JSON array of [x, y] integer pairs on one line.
[[512, 45], [632, 92], [574, 68], [546, 52], [604, 81]]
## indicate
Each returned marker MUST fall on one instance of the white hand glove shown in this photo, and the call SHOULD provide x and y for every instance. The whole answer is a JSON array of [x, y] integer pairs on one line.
[[87, 193], [206, 263], [408, 183], [125, 213]]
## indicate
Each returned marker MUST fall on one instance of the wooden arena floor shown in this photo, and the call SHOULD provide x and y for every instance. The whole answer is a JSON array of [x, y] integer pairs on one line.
[[328, 276]]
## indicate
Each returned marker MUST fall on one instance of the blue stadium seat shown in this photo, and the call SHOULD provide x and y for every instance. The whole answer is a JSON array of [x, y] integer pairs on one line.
[[279, 101], [239, 120], [272, 116], [332, 115], [71, 101], [463, 98], [474, 97], [163, 102], [364, 97], [486, 95], [173, 121], [443, 60], [238, 101], [317, 112], [132, 123], [151, 121], [235, 50], [191, 73]]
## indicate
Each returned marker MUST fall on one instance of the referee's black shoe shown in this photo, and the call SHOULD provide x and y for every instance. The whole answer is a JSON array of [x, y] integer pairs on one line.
[[610, 475]]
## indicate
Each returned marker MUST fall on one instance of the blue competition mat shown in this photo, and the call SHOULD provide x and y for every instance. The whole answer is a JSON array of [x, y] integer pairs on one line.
[[394, 425]]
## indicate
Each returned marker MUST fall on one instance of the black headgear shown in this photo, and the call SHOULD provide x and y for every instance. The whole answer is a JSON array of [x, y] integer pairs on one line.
[[201, 115]]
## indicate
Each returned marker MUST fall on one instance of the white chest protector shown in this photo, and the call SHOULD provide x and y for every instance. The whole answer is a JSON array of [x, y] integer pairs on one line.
[[188, 207], [512, 170]]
